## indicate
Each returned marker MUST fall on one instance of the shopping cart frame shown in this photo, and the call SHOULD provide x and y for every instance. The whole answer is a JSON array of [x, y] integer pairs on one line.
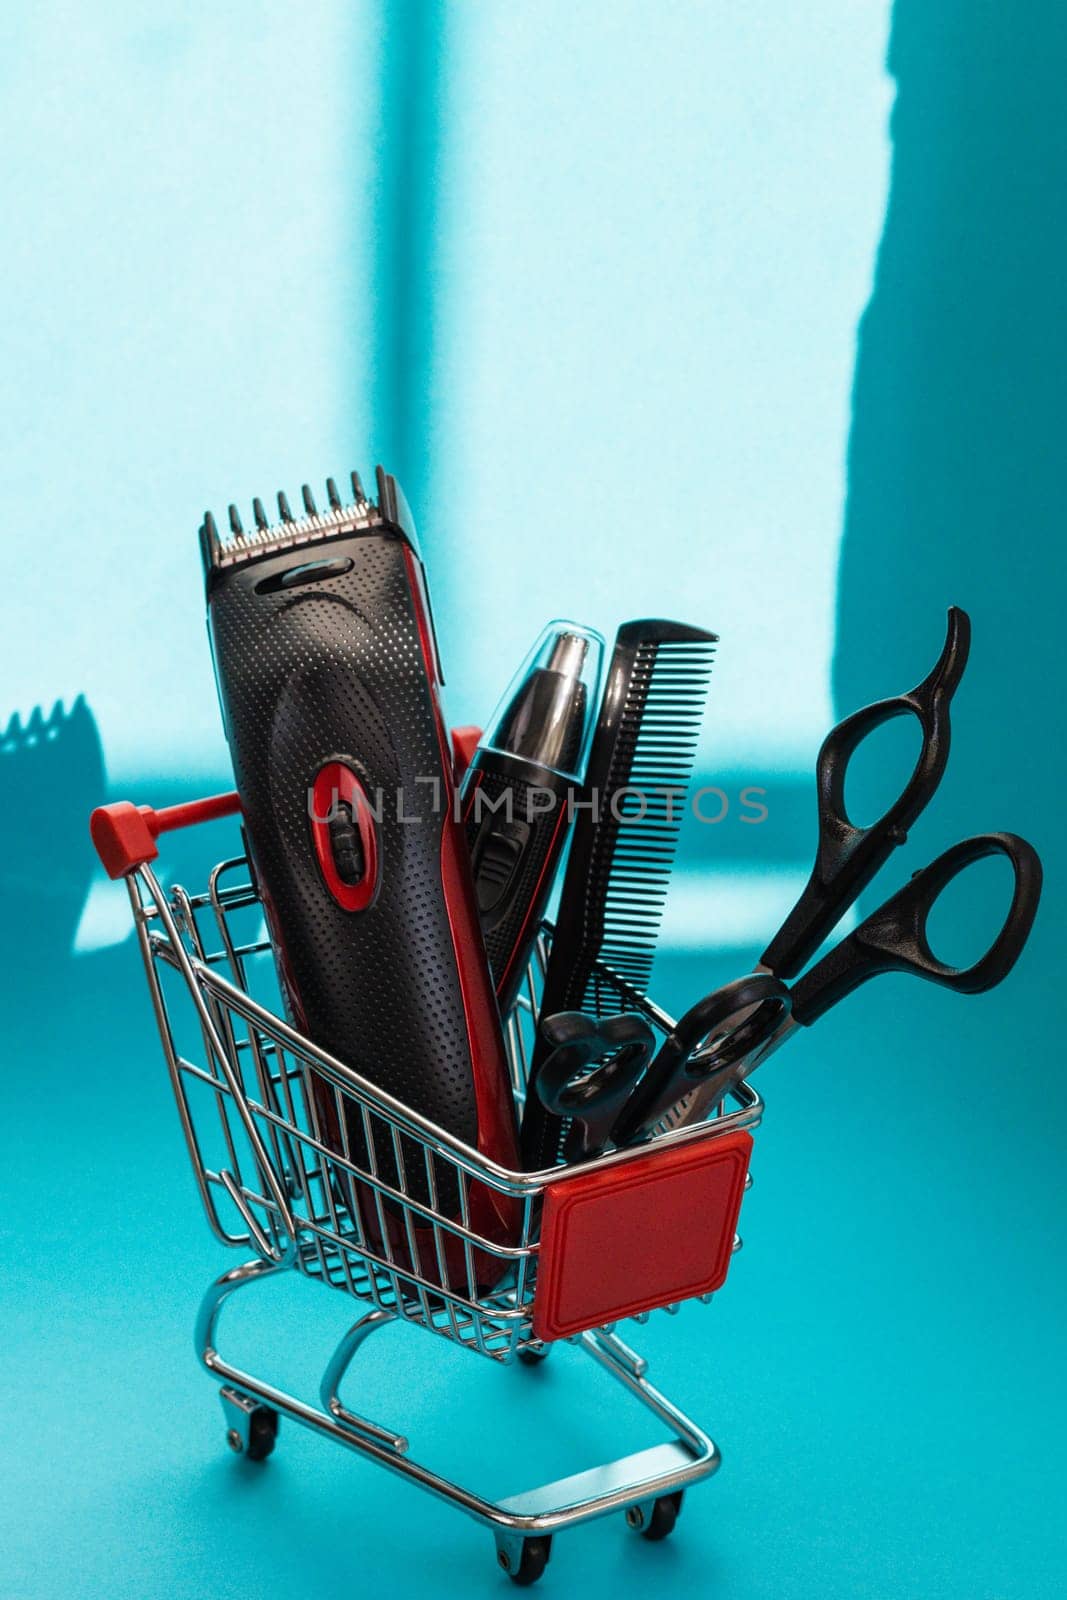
[[286, 1231]]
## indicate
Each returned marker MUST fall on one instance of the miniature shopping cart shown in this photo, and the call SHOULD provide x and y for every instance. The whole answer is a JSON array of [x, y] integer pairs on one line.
[[615, 1237]]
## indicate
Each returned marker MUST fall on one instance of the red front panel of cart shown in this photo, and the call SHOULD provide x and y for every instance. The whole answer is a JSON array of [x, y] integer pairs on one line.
[[642, 1234]]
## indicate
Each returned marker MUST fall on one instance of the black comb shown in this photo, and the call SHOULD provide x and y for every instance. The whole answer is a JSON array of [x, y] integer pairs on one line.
[[625, 837]]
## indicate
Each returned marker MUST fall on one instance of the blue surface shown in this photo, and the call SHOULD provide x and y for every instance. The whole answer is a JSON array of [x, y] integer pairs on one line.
[[884, 1371]]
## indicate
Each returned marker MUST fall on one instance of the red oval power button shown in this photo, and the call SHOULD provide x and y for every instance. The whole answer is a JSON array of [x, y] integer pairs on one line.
[[344, 835]]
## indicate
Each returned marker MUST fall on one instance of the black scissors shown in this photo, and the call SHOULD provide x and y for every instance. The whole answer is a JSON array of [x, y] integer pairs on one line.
[[732, 1031], [590, 1075]]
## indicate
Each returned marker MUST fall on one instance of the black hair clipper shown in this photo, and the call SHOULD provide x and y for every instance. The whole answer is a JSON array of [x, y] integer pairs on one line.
[[328, 679], [518, 792]]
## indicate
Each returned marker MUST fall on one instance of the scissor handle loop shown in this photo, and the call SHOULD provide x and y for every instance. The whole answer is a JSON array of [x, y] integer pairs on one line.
[[894, 939], [719, 1031], [848, 856], [593, 1099]]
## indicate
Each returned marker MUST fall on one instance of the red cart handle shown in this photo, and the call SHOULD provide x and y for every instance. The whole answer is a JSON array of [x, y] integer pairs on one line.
[[125, 834]]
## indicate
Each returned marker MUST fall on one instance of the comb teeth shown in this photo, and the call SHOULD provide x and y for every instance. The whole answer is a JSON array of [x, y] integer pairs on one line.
[[635, 844], [618, 872], [642, 803], [289, 530]]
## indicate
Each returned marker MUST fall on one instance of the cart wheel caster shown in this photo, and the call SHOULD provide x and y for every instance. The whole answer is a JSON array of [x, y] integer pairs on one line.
[[251, 1429], [533, 1358], [532, 1560], [659, 1521], [262, 1433]]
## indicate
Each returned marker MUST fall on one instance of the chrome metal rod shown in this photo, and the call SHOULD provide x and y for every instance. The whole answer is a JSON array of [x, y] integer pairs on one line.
[[631, 1480]]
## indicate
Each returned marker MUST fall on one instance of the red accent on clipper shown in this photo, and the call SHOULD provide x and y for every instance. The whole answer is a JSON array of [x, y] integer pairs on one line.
[[464, 744], [344, 835]]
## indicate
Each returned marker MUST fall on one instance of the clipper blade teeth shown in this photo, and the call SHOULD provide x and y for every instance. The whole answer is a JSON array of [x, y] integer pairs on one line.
[[289, 530]]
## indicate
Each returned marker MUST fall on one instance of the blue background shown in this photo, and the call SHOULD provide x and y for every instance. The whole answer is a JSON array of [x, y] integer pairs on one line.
[[745, 317]]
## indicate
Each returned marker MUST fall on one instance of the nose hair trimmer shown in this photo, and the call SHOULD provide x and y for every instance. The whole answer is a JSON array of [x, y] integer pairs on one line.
[[328, 680], [518, 789]]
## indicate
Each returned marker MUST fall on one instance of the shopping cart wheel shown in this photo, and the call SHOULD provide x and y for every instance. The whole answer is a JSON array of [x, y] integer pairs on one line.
[[251, 1428], [255, 1441], [533, 1357], [532, 1559], [659, 1521], [262, 1433]]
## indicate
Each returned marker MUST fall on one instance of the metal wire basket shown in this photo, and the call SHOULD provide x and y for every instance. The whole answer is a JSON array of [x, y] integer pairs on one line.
[[261, 1108], [304, 1161]]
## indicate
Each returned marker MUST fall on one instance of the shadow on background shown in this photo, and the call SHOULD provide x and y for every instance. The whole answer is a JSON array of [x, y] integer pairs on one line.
[[956, 454], [51, 775], [407, 162], [936, 1146]]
